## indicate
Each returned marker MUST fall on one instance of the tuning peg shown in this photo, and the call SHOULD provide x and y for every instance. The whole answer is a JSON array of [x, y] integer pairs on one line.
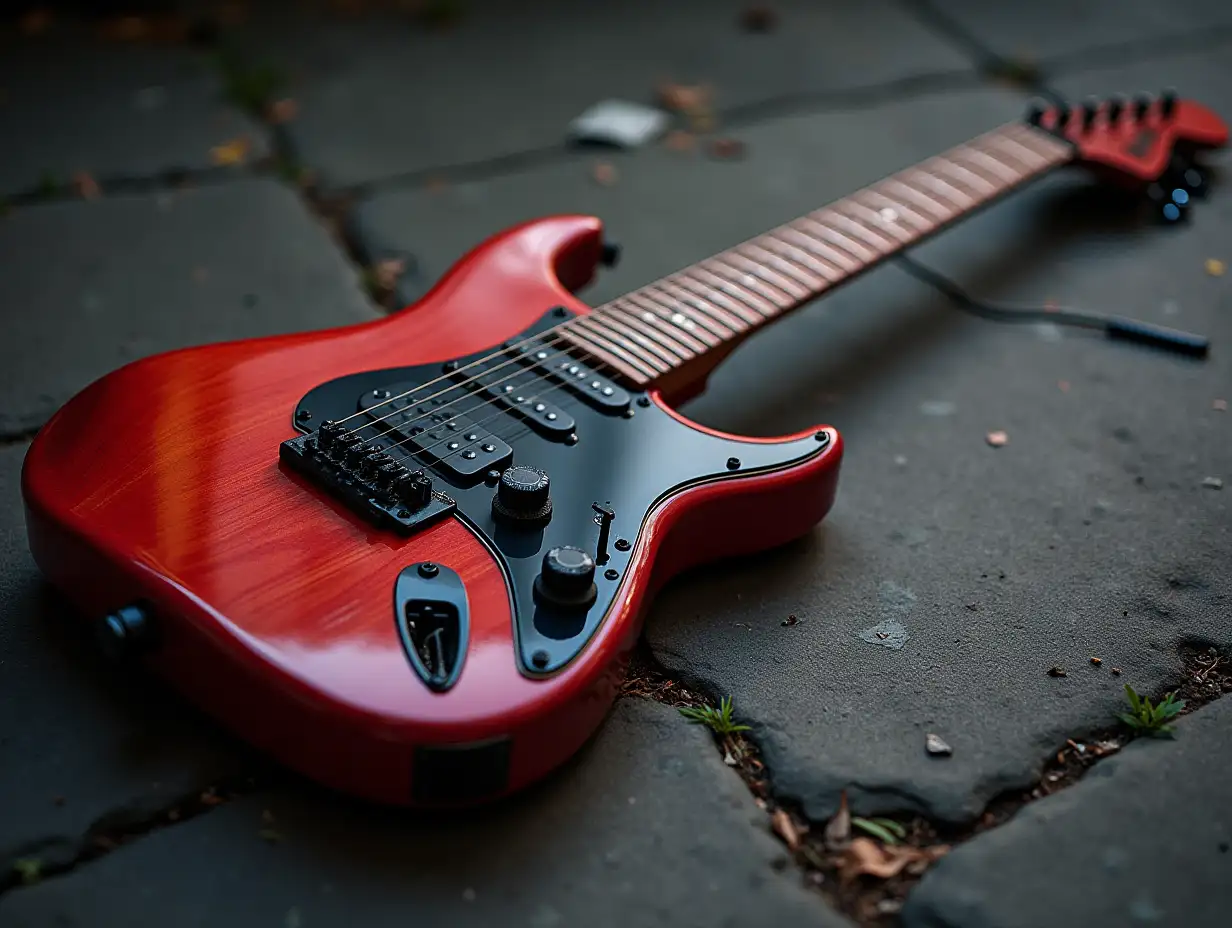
[[1063, 114], [1090, 109], [1167, 103], [1171, 202], [1035, 113], [1142, 105], [1116, 106]]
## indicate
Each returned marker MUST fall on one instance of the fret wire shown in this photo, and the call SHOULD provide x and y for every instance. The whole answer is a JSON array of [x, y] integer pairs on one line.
[[751, 300], [979, 186], [658, 330], [861, 231], [712, 306], [900, 234], [940, 210], [901, 211], [612, 318], [965, 201], [843, 262], [763, 270], [749, 280], [797, 272], [611, 342], [827, 272], [595, 349], [714, 322], [681, 322], [858, 252], [1004, 173]]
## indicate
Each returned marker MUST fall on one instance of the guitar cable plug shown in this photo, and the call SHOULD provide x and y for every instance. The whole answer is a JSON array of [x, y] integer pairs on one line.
[[1119, 328]]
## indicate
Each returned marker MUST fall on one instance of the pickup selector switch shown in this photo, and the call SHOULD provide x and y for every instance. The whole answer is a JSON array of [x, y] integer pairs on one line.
[[522, 496], [567, 578]]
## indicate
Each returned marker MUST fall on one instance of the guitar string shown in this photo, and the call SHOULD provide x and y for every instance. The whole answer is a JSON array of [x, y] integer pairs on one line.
[[448, 374]]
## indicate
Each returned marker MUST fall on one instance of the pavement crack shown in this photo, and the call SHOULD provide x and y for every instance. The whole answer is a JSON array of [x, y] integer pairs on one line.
[[988, 62], [40, 859], [826, 863], [1134, 51], [19, 437]]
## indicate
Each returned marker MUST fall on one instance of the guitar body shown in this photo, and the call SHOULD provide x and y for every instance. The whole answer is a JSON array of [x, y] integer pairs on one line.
[[282, 612]]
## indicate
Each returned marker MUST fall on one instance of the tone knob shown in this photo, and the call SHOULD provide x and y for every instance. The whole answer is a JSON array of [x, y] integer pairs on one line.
[[522, 495], [568, 577]]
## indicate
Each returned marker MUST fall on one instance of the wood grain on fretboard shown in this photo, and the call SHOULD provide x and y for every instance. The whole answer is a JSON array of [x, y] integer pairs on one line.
[[695, 316]]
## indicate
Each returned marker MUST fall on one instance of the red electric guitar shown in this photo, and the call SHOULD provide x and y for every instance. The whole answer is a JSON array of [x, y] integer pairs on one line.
[[410, 558]]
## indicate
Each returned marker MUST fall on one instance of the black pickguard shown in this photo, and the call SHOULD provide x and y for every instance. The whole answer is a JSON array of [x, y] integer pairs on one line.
[[630, 462]]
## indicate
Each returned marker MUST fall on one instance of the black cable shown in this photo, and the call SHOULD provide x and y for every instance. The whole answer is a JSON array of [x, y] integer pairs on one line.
[[1115, 327]]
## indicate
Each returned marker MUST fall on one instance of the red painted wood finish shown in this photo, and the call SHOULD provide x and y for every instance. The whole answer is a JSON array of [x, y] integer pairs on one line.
[[160, 482]]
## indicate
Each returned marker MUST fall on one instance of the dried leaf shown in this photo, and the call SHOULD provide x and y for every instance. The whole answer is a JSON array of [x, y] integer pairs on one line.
[[680, 140], [86, 186], [997, 439], [210, 798], [1215, 267], [1056, 671], [790, 621], [864, 856], [727, 149], [838, 829], [385, 274], [603, 174], [785, 828], [689, 99], [1097, 661], [232, 152], [281, 111]]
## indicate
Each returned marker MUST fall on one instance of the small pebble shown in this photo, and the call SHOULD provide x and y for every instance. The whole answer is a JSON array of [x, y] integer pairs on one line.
[[603, 174], [997, 439], [1220, 405], [1215, 267], [936, 746], [1213, 483], [727, 149], [1116, 671], [1056, 671], [900, 460], [1096, 661]]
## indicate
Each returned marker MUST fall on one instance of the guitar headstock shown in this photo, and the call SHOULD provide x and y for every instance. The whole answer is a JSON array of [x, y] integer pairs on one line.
[[1144, 141]]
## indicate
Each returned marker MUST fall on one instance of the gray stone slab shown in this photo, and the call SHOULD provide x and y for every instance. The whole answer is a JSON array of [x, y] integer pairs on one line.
[[71, 101], [80, 740], [509, 77], [1071, 29], [646, 827], [985, 567], [1144, 839], [86, 287]]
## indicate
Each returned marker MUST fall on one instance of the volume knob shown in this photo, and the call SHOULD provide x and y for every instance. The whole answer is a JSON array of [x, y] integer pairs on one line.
[[568, 577], [522, 495]]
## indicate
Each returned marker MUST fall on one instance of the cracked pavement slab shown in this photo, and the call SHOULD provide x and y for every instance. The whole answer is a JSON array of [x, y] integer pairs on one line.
[[159, 109], [1101, 852], [88, 287], [646, 827], [81, 741], [982, 567], [391, 111]]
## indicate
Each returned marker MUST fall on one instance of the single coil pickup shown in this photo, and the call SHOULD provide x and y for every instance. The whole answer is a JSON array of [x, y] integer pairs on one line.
[[448, 440], [593, 389], [521, 400], [404, 512]]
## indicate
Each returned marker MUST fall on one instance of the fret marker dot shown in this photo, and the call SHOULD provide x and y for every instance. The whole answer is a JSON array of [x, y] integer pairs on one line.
[[888, 215], [682, 320]]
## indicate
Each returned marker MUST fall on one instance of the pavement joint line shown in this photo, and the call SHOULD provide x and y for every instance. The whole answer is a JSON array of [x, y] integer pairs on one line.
[[1134, 51], [878, 904], [117, 828]]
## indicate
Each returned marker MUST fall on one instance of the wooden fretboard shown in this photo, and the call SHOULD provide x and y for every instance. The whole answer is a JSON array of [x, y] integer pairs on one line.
[[698, 314]]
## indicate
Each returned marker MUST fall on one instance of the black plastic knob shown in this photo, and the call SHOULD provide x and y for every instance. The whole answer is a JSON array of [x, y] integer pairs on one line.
[[124, 633], [1116, 106], [414, 490], [1090, 109], [1142, 105], [1035, 114], [1167, 103], [522, 495], [568, 577], [1063, 114]]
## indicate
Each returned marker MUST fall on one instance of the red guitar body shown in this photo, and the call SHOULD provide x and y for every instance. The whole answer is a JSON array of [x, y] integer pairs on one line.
[[271, 601]]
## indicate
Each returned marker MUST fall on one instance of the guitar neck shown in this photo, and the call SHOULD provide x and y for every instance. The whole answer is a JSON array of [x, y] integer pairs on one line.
[[687, 321]]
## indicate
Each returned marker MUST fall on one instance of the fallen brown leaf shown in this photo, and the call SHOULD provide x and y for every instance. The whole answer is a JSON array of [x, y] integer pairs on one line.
[[1056, 671], [864, 856], [1215, 267], [232, 152], [603, 174], [86, 186], [680, 140], [387, 273], [689, 99], [281, 111], [838, 829], [210, 798], [727, 149], [785, 828], [1097, 661], [997, 439]]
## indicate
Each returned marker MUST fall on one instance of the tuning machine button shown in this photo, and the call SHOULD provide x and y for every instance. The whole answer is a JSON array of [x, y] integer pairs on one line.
[[1090, 109], [1116, 106], [567, 578], [1142, 105], [1035, 114], [1167, 103], [1063, 115], [522, 496]]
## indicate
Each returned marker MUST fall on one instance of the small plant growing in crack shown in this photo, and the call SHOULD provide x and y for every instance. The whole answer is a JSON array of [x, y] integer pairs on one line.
[[885, 830], [1147, 719], [29, 869], [718, 720]]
